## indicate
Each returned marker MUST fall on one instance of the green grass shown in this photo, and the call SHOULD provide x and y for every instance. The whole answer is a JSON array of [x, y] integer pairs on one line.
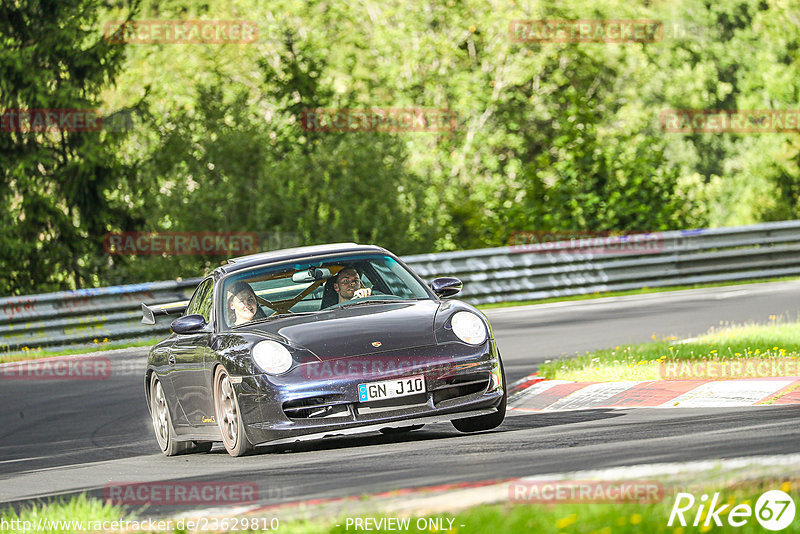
[[79, 508], [100, 345], [774, 341], [642, 291], [507, 517], [598, 518]]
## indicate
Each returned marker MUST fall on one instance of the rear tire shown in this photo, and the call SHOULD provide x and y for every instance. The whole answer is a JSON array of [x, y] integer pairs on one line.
[[162, 422], [228, 415], [485, 422]]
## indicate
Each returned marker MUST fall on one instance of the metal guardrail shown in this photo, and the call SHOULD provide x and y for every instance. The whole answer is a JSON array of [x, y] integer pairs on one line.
[[503, 274], [85, 317], [679, 257]]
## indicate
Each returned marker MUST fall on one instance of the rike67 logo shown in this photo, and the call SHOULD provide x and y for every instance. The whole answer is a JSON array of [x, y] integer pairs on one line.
[[774, 510]]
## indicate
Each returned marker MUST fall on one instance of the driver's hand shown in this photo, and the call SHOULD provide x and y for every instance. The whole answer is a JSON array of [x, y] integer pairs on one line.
[[361, 293]]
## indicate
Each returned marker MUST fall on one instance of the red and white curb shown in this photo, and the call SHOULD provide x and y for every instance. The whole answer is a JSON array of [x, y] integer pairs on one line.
[[535, 394]]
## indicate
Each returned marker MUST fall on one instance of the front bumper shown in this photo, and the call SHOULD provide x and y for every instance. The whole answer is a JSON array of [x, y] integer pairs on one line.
[[317, 400]]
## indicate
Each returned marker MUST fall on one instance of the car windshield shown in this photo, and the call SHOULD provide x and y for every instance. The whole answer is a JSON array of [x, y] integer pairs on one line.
[[312, 287]]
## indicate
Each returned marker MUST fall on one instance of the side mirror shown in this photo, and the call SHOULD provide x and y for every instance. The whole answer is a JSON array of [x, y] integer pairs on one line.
[[446, 286], [188, 324]]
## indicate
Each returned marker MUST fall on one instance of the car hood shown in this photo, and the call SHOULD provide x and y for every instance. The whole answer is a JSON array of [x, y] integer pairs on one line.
[[366, 329]]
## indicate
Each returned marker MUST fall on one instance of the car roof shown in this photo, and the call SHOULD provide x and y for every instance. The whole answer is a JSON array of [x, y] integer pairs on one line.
[[275, 256]]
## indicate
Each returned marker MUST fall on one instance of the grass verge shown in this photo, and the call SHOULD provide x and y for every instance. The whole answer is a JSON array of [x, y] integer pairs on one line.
[[771, 342], [584, 517], [60, 516]]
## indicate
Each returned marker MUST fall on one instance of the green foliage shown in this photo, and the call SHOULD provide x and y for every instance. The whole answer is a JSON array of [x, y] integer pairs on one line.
[[550, 136], [54, 184]]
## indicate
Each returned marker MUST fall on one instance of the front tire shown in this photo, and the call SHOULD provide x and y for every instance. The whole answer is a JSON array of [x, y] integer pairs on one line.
[[228, 415], [486, 422], [162, 422]]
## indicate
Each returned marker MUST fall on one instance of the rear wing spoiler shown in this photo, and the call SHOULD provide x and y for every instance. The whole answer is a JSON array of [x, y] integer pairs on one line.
[[170, 308]]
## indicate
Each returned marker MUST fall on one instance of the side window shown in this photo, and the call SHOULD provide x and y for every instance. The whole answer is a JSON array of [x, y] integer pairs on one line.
[[366, 281], [205, 303], [201, 301]]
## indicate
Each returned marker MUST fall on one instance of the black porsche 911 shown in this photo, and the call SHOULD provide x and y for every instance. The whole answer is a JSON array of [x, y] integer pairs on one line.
[[318, 341]]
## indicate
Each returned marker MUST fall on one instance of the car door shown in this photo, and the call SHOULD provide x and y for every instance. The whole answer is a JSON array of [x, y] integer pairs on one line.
[[187, 360]]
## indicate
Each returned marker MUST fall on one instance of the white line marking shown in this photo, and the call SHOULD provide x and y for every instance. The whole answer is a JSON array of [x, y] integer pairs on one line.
[[537, 388], [727, 393], [672, 468], [590, 396]]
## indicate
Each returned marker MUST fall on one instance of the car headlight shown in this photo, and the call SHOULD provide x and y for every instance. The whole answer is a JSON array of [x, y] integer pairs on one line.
[[468, 327], [272, 357]]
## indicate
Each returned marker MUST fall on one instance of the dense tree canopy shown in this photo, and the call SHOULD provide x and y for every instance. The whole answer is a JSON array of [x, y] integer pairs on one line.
[[548, 135]]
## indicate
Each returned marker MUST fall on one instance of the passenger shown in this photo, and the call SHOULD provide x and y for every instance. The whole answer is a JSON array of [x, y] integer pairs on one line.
[[347, 285], [243, 304]]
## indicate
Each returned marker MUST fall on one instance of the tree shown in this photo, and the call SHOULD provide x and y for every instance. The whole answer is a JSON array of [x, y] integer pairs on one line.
[[57, 183]]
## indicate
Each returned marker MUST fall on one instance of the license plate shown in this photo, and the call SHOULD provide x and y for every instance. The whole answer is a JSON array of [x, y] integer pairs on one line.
[[390, 389]]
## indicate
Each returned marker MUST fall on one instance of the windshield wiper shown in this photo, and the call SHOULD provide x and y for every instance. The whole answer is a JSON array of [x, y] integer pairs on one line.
[[359, 303], [277, 316], [290, 314]]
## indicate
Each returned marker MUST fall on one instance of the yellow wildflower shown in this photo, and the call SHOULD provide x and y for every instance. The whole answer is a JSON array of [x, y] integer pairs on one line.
[[564, 522]]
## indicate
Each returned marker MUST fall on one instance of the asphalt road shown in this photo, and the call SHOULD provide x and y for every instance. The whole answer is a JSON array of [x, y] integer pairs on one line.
[[62, 437]]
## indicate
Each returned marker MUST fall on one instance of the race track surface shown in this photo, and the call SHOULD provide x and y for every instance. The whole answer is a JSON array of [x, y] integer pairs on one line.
[[62, 437]]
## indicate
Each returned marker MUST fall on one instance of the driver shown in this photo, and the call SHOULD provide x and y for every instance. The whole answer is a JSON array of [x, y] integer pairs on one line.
[[242, 302], [347, 285]]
